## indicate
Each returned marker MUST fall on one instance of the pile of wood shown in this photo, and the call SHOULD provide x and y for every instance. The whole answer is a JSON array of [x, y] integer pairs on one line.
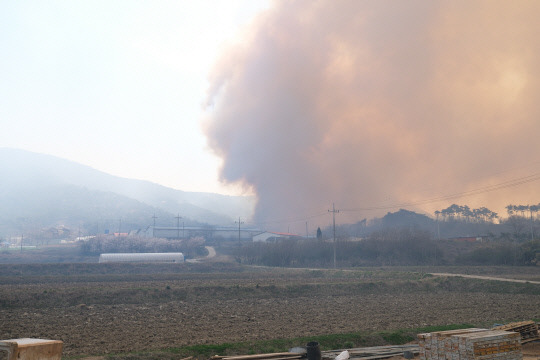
[[470, 344], [372, 353], [435, 344], [527, 329], [500, 343], [368, 353], [271, 356]]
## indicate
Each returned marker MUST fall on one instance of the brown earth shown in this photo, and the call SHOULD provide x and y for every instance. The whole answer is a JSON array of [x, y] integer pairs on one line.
[[103, 314]]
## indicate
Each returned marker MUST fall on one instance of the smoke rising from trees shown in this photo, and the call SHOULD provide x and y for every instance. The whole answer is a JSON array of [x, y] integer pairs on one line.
[[374, 103]]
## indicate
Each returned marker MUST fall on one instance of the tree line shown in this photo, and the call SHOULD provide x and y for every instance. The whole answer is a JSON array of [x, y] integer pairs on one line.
[[388, 247], [483, 214], [522, 209], [464, 212], [135, 244]]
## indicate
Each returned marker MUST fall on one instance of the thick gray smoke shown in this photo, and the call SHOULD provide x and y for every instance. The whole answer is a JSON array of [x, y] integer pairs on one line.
[[380, 103]]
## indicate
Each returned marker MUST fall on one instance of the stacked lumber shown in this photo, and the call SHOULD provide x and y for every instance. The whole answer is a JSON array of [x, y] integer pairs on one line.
[[436, 344], [470, 344], [492, 344], [527, 329], [372, 353], [271, 356]]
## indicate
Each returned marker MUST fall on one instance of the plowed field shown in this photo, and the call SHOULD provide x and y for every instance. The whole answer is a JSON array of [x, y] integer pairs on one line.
[[97, 309]]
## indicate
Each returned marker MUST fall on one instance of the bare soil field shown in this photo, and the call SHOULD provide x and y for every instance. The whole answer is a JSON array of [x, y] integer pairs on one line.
[[101, 309]]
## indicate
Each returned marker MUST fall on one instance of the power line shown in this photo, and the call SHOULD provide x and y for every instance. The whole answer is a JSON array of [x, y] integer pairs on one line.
[[291, 220], [499, 186], [489, 188]]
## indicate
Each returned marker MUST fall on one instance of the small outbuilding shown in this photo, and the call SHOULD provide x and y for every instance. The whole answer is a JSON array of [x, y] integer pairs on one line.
[[175, 257], [272, 236]]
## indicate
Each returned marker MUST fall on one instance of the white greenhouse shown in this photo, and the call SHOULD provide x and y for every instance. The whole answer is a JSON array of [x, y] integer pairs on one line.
[[142, 257]]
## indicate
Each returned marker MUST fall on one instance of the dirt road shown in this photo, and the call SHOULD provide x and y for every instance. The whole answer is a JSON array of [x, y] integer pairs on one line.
[[211, 252], [211, 255], [487, 278]]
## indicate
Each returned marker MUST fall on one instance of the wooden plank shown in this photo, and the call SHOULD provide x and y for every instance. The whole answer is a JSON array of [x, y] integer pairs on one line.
[[275, 356], [527, 329], [382, 356], [374, 349], [377, 352], [287, 358]]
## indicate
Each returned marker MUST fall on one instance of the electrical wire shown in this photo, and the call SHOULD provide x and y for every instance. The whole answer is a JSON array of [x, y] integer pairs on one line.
[[485, 189], [489, 188], [283, 221]]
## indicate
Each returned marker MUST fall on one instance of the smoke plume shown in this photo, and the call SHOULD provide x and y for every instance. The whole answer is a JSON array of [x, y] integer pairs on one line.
[[376, 105]]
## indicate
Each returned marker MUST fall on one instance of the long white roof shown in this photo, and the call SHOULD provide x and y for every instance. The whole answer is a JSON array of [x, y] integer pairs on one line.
[[142, 257]]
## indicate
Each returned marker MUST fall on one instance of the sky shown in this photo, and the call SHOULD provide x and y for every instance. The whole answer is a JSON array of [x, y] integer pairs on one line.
[[118, 86], [369, 105]]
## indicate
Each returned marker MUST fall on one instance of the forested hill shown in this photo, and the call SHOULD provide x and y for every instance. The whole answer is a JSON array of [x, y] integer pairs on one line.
[[39, 190]]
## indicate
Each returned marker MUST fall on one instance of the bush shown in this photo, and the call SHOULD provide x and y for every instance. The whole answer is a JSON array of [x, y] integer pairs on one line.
[[389, 247], [505, 253]]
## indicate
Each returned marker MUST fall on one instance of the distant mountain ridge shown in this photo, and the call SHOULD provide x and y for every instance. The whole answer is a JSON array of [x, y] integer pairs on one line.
[[25, 173]]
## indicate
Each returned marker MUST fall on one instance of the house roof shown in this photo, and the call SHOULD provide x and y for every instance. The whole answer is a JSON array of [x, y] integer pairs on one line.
[[278, 233]]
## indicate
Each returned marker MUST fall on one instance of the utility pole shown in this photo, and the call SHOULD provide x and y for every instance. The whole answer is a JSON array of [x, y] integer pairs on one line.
[[334, 211], [178, 225], [438, 228], [154, 227], [532, 223], [306, 231], [239, 222]]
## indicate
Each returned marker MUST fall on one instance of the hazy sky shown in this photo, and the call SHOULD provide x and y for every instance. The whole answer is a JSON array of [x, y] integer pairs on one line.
[[116, 85], [373, 105]]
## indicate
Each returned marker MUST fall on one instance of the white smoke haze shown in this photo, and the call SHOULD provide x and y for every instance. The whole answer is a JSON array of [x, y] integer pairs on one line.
[[379, 103]]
